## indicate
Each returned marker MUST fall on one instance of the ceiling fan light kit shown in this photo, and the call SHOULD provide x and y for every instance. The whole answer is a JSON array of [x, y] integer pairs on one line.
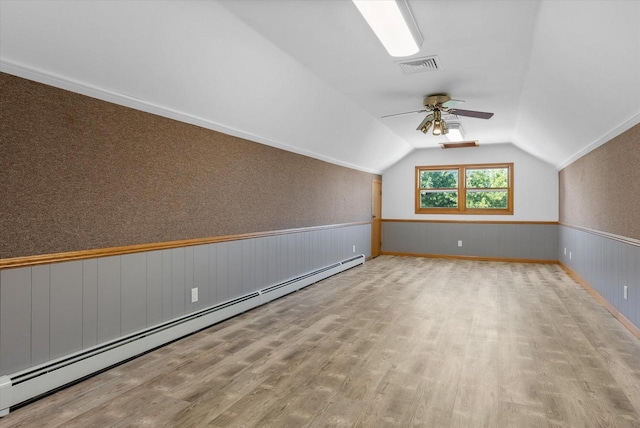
[[426, 124], [439, 127], [393, 24]]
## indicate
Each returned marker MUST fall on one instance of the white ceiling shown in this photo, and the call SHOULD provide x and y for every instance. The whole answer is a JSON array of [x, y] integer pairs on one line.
[[561, 77]]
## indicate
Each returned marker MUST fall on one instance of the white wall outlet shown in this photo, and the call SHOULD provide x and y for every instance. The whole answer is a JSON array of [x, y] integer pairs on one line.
[[354, 248], [459, 243], [625, 292], [565, 251], [569, 255], [194, 295]]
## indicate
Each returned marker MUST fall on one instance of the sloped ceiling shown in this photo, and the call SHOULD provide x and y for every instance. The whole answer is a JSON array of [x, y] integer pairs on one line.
[[309, 76]]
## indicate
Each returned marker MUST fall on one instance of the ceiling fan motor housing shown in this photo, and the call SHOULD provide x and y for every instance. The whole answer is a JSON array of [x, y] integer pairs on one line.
[[436, 100]]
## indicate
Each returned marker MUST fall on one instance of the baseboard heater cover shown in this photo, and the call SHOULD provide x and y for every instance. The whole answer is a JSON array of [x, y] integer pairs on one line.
[[39, 380]]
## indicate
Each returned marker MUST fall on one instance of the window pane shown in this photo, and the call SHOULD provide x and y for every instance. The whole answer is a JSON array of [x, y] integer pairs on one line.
[[487, 199], [444, 179], [488, 178], [447, 199]]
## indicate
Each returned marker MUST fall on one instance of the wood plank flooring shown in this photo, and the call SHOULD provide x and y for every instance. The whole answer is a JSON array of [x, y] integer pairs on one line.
[[398, 342]]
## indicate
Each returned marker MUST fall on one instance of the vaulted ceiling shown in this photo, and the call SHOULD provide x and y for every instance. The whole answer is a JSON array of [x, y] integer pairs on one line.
[[562, 77]]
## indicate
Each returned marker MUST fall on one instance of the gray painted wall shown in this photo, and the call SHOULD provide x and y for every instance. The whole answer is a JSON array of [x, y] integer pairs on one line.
[[52, 310], [606, 265], [522, 241]]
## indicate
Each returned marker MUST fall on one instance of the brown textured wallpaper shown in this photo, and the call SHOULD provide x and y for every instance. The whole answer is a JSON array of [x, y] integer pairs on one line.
[[601, 190], [78, 173]]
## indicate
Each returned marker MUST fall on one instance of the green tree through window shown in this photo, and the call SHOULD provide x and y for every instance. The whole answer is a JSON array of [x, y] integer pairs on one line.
[[440, 188], [484, 189], [487, 188]]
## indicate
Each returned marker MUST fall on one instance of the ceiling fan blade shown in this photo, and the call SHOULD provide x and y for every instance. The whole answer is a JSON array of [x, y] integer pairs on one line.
[[401, 114], [452, 103], [471, 113]]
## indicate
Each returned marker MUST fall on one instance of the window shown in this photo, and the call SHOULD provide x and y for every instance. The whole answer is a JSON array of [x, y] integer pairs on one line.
[[464, 189]]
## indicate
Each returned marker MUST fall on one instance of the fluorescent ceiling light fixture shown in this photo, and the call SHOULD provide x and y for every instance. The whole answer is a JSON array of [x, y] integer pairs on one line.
[[455, 132], [392, 22]]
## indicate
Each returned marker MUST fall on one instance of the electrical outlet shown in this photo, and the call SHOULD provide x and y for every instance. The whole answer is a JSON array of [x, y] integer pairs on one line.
[[194, 295], [569, 255], [565, 251], [459, 243], [625, 292], [354, 248]]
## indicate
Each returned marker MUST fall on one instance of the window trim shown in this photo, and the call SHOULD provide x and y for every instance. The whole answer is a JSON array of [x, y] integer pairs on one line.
[[462, 190]]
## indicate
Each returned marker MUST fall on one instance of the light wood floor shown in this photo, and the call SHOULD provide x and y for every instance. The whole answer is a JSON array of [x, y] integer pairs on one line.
[[399, 342]]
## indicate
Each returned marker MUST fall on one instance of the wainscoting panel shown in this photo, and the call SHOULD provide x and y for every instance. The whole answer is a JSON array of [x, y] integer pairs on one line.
[[201, 279], [154, 287], [39, 314], [65, 314], [178, 289], [15, 318], [133, 295], [166, 284], [109, 301], [535, 241], [235, 269], [89, 302], [51, 310], [607, 265]]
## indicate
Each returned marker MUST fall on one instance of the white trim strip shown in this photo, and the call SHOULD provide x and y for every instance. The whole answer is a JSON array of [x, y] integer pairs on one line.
[[620, 238], [624, 126]]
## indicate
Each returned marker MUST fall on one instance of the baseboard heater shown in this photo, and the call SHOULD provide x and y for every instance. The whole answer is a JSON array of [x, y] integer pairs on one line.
[[29, 384]]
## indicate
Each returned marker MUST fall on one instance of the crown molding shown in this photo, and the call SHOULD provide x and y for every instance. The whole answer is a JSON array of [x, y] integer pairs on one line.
[[624, 126]]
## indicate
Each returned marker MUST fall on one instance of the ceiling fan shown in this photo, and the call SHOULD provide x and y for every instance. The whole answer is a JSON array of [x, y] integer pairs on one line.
[[437, 104]]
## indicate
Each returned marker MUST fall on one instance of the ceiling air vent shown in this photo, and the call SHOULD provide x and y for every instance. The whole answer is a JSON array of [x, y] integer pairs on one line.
[[459, 145], [420, 65]]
